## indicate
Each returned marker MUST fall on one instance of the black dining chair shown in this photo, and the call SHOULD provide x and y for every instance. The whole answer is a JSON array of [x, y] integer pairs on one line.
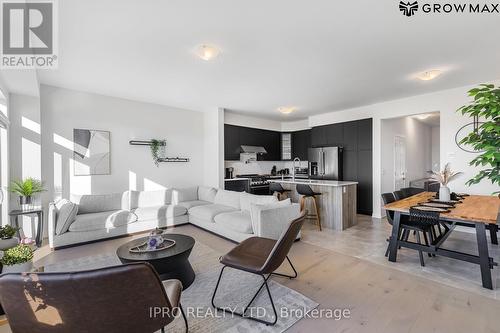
[[409, 191], [406, 226], [399, 195]]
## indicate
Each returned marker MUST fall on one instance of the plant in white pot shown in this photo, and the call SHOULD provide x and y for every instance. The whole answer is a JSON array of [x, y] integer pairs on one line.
[[7, 239], [444, 177], [17, 259], [26, 189]]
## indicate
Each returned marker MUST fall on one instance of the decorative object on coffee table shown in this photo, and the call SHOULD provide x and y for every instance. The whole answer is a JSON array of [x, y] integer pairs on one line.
[[155, 242], [171, 263], [26, 189], [444, 177], [14, 221], [91, 152]]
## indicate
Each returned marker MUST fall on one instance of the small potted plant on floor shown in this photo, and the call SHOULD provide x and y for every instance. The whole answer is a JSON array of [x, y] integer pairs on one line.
[[7, 239], [17, 259], [26, 189]]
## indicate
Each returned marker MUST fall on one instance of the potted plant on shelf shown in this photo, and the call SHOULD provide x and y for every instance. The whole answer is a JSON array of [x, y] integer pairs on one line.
[[7, 239], [17, 259], [486, 136], [26, 189], [156, 149], [444, 177]]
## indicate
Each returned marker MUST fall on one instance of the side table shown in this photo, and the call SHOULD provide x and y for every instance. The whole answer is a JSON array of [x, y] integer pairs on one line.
[[14, 221]]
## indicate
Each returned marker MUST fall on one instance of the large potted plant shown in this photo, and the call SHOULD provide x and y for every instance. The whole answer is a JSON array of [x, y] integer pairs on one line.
[[26, 189], [7, 239], [486, 138], [17, 259]]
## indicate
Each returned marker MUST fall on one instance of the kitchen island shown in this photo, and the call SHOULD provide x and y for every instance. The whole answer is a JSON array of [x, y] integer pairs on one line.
[[336, 204]]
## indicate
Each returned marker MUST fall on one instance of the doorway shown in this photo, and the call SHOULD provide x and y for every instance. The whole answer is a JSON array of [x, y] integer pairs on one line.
[[399, 162]]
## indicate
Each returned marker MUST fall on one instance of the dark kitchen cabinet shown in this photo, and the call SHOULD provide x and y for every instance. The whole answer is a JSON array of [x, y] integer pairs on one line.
[[301, 142], [365, 134], [250, 136], [335, 135], [365, 195], [350, 139], [318, 136], [231, 143], [271, 141]]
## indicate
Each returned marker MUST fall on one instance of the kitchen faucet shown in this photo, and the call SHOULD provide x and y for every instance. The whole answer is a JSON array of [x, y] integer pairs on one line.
[[296, 159]]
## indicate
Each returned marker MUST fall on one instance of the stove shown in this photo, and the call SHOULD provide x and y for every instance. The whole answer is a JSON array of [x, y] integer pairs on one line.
[[259, 184]]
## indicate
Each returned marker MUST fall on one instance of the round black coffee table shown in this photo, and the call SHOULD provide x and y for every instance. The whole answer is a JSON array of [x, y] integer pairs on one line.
[[171, 263]]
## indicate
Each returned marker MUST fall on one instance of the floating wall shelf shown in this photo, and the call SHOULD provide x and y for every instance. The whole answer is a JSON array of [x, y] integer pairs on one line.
[[162, 143]]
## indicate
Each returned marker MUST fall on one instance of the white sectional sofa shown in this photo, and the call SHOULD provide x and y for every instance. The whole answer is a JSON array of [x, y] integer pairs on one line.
[[233, 215]]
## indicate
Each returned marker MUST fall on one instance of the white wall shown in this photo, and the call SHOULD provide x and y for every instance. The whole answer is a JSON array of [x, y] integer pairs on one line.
[[436, 145], [214, 148], [418, 149], [131, 166], [446, 102]]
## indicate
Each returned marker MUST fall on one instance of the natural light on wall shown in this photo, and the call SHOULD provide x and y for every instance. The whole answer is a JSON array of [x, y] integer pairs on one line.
[[58, 177], [78, 184], [150, 185], [132, 181], [30, 124]]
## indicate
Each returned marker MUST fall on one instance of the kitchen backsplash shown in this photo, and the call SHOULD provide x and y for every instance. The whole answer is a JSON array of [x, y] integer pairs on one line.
[[261, 167]]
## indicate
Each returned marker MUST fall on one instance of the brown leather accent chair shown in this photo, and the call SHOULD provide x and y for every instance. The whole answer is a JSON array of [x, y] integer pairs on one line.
[[261, 256], [117, 299]]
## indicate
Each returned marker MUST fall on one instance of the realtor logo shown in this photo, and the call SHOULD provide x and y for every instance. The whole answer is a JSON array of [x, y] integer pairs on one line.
[[408, 8], [29, 34]]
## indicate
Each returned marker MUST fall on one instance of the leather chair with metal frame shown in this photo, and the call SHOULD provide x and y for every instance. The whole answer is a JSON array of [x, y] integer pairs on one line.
[[261, 256], [409, 191], [112, 300]]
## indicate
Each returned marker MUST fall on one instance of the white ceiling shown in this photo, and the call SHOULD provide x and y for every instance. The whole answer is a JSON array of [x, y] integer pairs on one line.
[[319, 55]]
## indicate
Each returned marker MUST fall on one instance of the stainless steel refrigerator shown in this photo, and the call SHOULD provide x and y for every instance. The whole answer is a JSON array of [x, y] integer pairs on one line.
[[325, 163]]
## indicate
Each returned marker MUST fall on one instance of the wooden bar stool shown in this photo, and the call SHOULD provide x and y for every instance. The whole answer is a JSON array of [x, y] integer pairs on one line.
[[277, 188], [307, 192]]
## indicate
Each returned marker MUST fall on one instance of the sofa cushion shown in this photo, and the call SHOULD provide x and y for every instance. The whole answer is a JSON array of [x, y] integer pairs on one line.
[[239, 221], [149, 198], [101, 220], [184, 194], [228, 198], [208, 212], [206, 193], [194, 203], [96, 203], [256, 209], [66, 213], [246, 200], [159, 212]]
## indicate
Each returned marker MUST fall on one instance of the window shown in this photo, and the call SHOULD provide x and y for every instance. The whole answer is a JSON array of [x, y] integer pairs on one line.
[[286, 146]]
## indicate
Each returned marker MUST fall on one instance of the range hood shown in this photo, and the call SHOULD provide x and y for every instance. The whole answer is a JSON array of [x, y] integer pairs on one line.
[[253, 149]]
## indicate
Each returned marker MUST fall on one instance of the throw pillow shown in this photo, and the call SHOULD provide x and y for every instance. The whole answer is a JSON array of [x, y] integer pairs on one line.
[[66, 214]]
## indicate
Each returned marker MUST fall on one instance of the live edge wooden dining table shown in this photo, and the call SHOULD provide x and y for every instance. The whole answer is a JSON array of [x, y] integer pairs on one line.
[[478, 211]]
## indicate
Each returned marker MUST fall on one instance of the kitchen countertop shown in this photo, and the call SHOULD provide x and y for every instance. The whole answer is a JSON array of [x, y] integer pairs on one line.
[[317, 182], [233, 179]]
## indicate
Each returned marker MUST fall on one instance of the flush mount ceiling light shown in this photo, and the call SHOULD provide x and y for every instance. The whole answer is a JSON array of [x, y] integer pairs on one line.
[[207, 52], [429, 75], [286, 109]]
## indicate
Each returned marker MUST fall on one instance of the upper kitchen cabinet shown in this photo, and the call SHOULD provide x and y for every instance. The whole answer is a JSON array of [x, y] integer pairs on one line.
[[231, 143], [271, 141], [301, 141], [350, 140], [318, 136], [335, 135], [365, 134], [250, 136]]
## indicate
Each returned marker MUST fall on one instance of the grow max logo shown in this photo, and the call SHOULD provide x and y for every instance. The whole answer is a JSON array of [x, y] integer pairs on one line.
[[29, 34], [410, 8]]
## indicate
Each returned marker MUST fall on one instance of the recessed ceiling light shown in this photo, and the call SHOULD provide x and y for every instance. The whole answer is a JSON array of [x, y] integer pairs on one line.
[[286, 109], [207, 52], [429, 75]]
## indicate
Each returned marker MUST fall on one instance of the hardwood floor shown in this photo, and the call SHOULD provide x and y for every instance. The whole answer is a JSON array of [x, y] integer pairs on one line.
[[381, 299]]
